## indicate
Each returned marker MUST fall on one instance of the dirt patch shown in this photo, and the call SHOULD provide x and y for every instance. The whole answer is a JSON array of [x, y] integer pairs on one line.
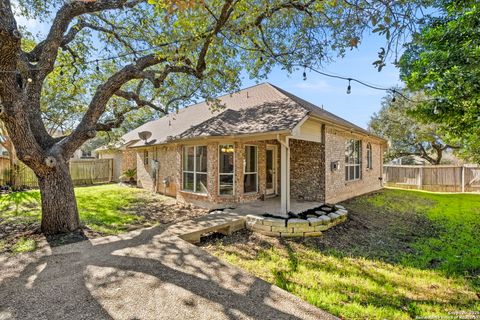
[[158, 209]]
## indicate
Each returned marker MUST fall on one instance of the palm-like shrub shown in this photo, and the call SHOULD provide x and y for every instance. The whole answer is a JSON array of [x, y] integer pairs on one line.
[[129, 175]]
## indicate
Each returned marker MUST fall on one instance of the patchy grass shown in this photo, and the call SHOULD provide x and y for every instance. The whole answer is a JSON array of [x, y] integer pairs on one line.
[[24, 245], [104, 210], [401, 255]]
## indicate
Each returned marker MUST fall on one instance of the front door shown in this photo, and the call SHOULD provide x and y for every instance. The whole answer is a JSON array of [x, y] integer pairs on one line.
[[271, 170]]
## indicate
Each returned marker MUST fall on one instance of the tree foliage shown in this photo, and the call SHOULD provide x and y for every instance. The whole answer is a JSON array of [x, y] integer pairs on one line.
[[101, 60], [406, 135], [442, 60]]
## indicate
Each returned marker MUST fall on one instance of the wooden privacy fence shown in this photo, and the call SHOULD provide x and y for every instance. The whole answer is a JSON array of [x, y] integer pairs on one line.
[[83, 172], [464, 178], [4, 170]]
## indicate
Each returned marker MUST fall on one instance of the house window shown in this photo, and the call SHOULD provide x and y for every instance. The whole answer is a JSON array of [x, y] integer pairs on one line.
[[145, 157], [352, 160], [226, 172], [250, 182], [195, 169], [369, 156]]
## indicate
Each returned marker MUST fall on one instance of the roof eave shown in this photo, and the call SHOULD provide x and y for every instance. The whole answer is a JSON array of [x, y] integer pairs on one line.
[[349, 129], [232, 136]]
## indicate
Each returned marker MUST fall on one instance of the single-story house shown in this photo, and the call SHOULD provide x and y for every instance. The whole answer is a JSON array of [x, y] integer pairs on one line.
[[266, 142]]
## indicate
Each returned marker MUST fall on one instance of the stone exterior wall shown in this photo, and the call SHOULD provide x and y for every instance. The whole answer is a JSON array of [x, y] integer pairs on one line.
[[337, 188], [169, 170], [129, 160], [307, 170], [311, 177]]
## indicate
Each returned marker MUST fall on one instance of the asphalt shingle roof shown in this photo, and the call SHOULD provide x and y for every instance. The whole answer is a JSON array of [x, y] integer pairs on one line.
[[258, 109]]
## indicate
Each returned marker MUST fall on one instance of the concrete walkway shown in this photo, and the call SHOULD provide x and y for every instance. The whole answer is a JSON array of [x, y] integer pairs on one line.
[[145, 274]]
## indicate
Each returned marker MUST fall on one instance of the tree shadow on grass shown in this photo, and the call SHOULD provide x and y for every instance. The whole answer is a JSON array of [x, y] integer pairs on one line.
[[147, 275]]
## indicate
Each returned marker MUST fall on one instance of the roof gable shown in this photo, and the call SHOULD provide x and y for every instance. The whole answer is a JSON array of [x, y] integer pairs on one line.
[[258, 109], [273, 116]]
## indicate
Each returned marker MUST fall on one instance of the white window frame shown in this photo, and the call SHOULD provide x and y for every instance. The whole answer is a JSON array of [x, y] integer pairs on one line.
[[226, 174], [369, 156], [194, 172], [350, 160], [254, 172]]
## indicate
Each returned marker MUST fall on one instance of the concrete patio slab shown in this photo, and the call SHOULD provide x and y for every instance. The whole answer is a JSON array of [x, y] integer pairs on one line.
[[273, 206], [145, 274]]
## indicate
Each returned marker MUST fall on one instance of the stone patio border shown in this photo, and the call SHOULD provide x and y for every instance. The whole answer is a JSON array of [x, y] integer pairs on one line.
[[311, 227]]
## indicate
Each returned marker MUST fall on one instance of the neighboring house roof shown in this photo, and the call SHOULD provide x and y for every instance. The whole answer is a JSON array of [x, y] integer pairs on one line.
[[258, 109]]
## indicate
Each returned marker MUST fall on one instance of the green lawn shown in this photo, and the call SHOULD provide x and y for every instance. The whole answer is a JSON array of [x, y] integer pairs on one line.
[[401, 255], [104, 210]]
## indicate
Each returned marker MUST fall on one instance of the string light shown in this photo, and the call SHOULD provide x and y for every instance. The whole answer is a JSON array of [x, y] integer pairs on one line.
[[349, 88], [304, 73], [113, 58]]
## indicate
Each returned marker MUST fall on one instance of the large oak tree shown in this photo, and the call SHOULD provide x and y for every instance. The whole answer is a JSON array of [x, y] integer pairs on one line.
[[158, 54], [408, 136], [442, 60]]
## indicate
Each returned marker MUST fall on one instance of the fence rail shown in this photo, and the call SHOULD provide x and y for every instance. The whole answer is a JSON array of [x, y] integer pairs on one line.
[[83, 172], [433, 178]]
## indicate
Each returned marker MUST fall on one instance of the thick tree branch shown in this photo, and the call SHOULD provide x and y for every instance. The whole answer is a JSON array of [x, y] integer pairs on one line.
[[62, 20], [34, 55], [135, 97]]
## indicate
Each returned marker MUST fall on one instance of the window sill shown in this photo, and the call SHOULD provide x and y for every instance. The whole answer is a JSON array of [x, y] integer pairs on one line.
[[194, 193], [352, 181]]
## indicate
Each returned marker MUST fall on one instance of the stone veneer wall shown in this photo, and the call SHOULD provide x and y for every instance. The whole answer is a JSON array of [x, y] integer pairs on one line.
[[311, 227], [129, 160], [169, 164], [337, 189], [307, 170]]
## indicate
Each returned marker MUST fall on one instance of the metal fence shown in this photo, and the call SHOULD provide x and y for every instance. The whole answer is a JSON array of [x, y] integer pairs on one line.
[[443, 178], [83, 172]]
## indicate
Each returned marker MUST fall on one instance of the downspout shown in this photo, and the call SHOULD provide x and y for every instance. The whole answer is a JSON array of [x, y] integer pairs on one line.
[[285, 171]]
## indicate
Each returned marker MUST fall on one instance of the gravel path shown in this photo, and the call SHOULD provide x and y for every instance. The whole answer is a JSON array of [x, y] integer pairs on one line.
[[144, 274]]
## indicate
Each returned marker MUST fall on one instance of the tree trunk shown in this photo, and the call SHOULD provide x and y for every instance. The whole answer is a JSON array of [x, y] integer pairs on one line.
[[59, 207]]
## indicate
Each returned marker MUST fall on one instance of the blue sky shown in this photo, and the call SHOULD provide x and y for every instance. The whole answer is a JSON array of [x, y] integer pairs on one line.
[[356, 107]]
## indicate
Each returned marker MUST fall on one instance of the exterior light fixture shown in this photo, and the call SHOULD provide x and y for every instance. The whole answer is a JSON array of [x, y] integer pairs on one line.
[[349, 88]]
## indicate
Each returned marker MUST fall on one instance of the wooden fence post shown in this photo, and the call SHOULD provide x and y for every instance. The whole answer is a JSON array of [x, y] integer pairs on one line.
[[463, 178], [420, 180]]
